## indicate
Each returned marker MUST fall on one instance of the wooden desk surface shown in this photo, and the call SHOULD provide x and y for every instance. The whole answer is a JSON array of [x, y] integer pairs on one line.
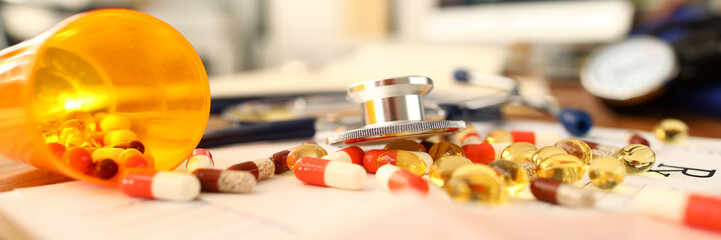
[[15, 175]]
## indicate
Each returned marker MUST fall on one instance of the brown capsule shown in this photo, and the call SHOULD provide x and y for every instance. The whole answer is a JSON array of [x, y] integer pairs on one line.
[[105, 169], [216, 180], [405, 144], [260, 168], [557, 192], [636, 138], [132, 144], [279, 161]]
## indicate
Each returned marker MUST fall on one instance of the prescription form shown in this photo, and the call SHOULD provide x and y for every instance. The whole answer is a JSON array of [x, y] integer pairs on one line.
[[284, 208]]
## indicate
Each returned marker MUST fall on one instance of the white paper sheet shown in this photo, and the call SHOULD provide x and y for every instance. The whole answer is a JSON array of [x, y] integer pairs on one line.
[[282, 207]]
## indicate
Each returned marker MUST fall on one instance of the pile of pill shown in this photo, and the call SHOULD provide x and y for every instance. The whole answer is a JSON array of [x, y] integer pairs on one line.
[[469, 167], [100, 145]]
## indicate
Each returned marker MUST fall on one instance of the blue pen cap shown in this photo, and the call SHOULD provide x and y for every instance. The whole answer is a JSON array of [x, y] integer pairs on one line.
[[576, 121]]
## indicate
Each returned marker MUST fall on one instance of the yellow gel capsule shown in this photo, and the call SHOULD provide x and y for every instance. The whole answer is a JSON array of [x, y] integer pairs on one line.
[[305, 150], [477, 183], [74, 133], [636, 158], [404, 160], [576, 148], [546, 152], [530, 170], [671, 130], [606, 172], [562, 167], [49, 130], [127, 153], [498, 136], [114, 122], [406, 145], [443, 149], [514, 175], [105, 153], [519, 152], [444, 167], [119, 137], [82, 116]]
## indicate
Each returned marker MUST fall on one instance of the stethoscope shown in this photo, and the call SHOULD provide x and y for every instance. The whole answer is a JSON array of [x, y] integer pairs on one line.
[[393, 108], [390, 109]]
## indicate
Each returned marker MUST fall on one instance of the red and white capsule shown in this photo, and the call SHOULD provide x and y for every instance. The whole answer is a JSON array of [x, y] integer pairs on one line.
[[540, 139], [200, 158], [690, 209], [352, 154], [323, 172], [558, 192], [152, 184], [601, 150], [485, 152], [395, 179]]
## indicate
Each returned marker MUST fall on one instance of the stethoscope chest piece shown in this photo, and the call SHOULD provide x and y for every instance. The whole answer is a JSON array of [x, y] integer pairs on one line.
[[392, 109]]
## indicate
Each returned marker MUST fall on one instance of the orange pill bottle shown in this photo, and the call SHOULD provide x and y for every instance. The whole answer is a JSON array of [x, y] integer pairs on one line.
[[115, 61]]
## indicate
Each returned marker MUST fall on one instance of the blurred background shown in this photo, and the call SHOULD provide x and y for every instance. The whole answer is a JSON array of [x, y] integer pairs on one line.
[[251, 47]]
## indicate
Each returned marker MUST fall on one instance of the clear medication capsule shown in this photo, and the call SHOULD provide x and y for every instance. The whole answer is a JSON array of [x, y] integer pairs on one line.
[[202, 151], [562, 167], [546, 152], [601, 150], [403, 159], [406, 145], [519, 152], [636, 158], [469, 136], [485, 152], [261, 168], [151, 184], [443, 168], [352, 154], [515, 176], [227, 181], [687, 208], [671, 130], [540, 139], [443, 149], [606, 172], [576, 148], [329, 173], [305, 150], [394, 179], [477, 183], [198, 161], [557, 192], [498, 136]]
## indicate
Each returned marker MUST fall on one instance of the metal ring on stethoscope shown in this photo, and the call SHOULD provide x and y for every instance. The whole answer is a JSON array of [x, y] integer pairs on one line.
[[393, 108]]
